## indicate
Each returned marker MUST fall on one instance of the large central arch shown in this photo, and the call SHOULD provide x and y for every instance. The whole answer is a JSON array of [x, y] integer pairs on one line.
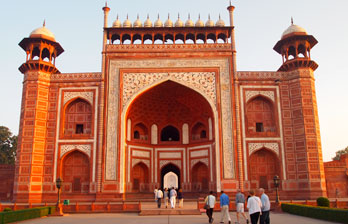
[[214, 125]]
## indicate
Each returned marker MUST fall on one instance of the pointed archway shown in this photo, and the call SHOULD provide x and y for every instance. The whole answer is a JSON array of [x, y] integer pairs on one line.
[[76, 172], [168, 169], [263, 166]]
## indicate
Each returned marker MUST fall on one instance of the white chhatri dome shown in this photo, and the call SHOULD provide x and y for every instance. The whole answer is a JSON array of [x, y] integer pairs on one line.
[[117, 23], [199, 22], [148, 22], [210, 22], [220, 22], [189, 22], [158, 22], [294, 29], [42, 32], [127, 23], [137, 23], [179, 22], [168, 23]]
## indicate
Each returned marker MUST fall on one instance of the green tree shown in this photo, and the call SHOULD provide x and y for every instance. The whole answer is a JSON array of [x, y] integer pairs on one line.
[[8, 146], [339, 153]]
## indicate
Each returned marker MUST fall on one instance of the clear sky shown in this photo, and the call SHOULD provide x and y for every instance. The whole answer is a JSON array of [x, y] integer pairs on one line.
[[77, 25]]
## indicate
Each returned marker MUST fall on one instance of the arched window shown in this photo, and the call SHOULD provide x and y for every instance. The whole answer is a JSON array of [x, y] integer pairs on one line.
[[75, 172], [260, 116], [203, 134], [78, 118], [170, 133], [199, 131], [45, 55], [36, 54], [140, 132], [136, 135]]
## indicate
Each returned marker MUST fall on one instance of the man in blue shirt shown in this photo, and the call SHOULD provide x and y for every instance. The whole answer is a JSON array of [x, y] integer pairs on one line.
[[224, 204], [266, 206]]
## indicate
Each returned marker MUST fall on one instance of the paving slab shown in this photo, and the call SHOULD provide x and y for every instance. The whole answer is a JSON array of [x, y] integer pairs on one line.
[[112, 218]]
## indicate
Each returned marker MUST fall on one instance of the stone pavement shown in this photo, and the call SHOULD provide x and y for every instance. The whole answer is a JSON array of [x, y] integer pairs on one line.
[[132, 218]]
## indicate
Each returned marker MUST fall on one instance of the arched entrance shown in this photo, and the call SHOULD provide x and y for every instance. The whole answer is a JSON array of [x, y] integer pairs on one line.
[[140, 177], [263, 166], [170, 180], [169, 170], [76, 172], [200, 177], [170, 110]]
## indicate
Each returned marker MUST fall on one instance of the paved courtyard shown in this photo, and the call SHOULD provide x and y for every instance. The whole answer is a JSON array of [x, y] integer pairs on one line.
[[132, 218]]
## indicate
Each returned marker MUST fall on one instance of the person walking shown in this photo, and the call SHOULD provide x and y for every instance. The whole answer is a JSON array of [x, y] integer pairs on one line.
[[225, 205], [159, 198], [181, 198], [166, 197], [265, 207], [240, 200], [210, 202], [254, 207], [172, 195]]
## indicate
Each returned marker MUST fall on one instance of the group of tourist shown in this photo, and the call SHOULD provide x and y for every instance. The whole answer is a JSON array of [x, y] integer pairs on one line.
[[169, 196], [258, 207]]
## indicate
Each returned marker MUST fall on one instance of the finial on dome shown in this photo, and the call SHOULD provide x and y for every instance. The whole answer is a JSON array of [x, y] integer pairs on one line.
[[292, 21], [106, 3], [44, 22], [138, 16], [230, 3], [158, 16], [189, 17], [178, 15]]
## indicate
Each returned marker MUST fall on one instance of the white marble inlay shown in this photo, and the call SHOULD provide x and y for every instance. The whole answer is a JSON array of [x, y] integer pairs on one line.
[[199, 153], [138, 153], [259, 145], [171, 155], [84, 95], [67, 148], [251, 93]]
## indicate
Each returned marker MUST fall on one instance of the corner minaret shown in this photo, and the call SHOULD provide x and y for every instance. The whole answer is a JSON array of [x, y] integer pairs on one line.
[[305, 173], [295, 46], [41, 51]]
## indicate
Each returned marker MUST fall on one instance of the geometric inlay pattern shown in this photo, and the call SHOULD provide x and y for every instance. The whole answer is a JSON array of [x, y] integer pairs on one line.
[[133, 82], [84, 95], [256, 146], [251, 94], [67, 148]]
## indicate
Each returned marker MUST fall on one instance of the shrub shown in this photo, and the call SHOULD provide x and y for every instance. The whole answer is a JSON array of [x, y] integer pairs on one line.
[[7, 210], [323, 202], [19, 215], [322, 213]]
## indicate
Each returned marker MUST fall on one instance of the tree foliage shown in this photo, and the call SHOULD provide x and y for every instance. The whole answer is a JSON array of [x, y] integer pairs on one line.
[[8, 146], [339, 153]]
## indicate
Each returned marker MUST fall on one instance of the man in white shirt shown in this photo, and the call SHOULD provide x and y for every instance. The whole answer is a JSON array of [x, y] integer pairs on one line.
[[210, 201], [254, 206], [159, 197], [172, 196]]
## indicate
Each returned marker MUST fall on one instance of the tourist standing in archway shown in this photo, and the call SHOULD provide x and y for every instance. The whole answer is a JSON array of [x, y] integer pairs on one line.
[[172, 195], [159, 197], [166, 197], [181, 198]]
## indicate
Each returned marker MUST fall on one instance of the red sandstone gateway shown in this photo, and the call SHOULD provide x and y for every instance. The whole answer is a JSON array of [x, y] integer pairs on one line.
[[169, 108]]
